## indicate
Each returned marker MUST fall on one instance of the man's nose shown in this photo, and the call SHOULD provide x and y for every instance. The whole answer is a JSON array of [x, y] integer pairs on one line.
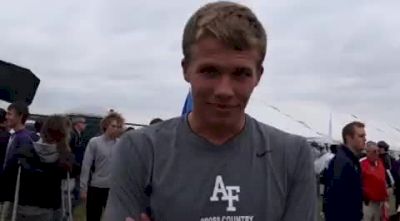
[[224, 88]]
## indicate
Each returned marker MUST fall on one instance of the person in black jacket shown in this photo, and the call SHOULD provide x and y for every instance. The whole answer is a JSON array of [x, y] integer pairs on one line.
[[4, 137], [388, 161], [78, 149], [343, 196], [76, 142], [43, 167]]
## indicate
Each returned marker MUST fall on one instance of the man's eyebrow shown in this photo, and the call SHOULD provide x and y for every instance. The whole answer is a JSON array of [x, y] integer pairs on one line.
[[243, 69]]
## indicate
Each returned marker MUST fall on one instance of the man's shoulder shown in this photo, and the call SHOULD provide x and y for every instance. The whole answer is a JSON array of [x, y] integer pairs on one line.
[[96, 139], [363, 160], [23, 136], [278, 136], [146, 140], [343, 161], [166, 128], [285, 148], [73, 133], [364, 163], [160, 127], [23, 133], [342, 156]]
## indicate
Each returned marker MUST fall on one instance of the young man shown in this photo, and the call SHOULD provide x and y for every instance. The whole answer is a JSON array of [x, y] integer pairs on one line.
[[374, 183], [343, 195], [216, 163], [20, 140], [95, 176]]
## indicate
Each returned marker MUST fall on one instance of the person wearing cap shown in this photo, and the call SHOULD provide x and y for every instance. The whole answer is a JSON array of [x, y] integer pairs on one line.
[[392, 170], [384, 155], [388, 162]]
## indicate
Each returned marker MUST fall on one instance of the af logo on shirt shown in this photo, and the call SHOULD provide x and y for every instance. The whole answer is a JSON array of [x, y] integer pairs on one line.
[[225, 193]]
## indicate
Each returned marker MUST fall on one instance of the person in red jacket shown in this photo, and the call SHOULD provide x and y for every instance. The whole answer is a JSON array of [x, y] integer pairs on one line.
[[374, 183]]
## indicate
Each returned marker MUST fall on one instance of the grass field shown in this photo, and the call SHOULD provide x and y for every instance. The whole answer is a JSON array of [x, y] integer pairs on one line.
[[80, 213]]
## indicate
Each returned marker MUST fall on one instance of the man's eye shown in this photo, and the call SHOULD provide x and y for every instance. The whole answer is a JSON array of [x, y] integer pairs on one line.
[[209, 71], [242, 73]]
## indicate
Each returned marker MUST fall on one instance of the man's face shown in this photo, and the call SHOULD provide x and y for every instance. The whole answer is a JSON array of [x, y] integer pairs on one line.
[[222, 80], [12, 119], [373, 153], [114, 129], [357, 141], [81, 126]]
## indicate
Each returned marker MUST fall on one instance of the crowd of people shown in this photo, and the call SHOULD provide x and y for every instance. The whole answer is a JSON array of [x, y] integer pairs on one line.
[[213, 163], [358, 177], [36, 163]]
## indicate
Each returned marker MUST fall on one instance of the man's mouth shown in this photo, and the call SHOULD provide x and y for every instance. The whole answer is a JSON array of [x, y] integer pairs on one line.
[[223, 106]]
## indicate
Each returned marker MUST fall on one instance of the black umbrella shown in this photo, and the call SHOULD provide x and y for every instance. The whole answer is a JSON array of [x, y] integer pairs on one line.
[[17, 83]]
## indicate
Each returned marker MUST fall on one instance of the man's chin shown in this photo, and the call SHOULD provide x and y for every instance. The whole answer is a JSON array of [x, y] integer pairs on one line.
[[224, 119]]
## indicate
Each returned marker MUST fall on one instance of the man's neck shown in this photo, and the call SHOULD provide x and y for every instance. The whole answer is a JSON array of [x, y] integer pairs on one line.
[[216, 134], [77, 130], [109, 137], [19, 127], [372, 161], [353, 150]]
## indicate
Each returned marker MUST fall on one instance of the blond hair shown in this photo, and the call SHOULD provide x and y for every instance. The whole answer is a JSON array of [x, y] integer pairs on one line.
[[106, 121], [232, 23]]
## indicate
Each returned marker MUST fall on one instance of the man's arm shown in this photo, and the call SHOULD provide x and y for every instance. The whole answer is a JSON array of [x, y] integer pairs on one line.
[[131, 172], [86, 165], [301, 202], [72, 140]]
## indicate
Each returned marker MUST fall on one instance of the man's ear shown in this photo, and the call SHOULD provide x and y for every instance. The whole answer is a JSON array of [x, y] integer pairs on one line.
[[185, 67], [259, 74]]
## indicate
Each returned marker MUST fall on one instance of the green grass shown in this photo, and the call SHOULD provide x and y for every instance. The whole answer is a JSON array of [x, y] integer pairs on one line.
[[80, 213]]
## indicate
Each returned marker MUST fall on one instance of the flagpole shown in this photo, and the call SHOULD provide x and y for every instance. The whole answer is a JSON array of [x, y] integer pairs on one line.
[[330, 127]]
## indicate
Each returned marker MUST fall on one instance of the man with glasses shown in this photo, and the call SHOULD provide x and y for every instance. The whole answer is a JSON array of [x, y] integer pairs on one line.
[[78, 149], [343, 195], [76, 142], [95, 174], [374, 183]]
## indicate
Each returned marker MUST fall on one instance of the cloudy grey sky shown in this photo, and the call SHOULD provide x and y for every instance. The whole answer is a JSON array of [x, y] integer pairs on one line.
[[339, 57]]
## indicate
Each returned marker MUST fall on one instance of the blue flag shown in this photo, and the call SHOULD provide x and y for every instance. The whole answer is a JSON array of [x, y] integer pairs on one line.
[[188, 106]]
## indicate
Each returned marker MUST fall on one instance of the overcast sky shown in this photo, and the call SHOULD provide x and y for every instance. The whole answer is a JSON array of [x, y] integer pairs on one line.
[[339, 57]]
